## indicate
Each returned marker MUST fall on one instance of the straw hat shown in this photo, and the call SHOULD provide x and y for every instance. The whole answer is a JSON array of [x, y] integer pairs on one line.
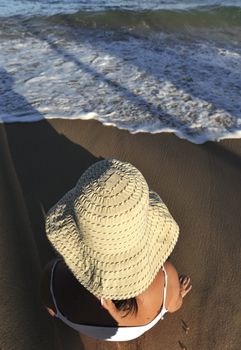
[[112, 232]]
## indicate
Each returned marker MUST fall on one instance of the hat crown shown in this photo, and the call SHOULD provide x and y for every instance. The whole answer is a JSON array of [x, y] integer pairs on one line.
[[111, 206]]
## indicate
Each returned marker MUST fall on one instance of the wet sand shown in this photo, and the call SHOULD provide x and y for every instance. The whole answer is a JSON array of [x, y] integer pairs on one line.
[[200, 184]]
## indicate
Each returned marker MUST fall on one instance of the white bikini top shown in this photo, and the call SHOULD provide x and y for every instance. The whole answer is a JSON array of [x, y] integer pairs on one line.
[[107, 332]]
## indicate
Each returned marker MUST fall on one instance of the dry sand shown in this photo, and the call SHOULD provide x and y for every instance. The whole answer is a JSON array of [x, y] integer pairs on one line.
[[200, 184]]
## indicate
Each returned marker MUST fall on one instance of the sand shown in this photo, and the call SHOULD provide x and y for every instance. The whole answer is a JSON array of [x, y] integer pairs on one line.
[[200, 184]]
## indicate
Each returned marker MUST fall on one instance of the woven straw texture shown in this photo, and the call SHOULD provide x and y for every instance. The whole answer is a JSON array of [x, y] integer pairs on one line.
[[112, 232]]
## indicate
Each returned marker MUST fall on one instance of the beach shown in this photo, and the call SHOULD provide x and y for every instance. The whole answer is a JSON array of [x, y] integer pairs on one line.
[[200, 184]]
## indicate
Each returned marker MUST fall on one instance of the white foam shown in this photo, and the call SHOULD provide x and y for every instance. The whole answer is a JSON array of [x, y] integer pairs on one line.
[[161, 84]]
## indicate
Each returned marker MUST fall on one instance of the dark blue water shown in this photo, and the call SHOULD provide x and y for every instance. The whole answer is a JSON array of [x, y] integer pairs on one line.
[[49, 7]]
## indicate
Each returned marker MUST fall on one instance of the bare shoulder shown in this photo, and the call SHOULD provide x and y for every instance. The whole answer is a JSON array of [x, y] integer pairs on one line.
[[171, 270], [45, 288]]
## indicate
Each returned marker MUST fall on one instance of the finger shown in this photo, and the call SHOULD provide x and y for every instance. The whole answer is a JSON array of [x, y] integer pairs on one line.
[[186, 280], [181, 278], [188, 289]]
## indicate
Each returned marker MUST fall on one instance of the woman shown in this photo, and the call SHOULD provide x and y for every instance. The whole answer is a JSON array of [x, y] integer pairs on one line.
[[112, 280]]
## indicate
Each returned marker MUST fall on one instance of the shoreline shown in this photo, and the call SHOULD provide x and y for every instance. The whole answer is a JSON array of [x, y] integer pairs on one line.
[[198, 140], [200, 184]]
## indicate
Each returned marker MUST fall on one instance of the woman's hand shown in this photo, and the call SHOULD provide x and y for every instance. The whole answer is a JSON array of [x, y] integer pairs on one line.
[[185, 285]]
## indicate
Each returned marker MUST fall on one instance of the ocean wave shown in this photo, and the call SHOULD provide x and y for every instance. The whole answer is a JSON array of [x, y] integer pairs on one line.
[[153, 20]]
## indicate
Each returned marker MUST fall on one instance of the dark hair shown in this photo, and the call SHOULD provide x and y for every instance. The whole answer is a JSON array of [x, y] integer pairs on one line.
[[127, 305]]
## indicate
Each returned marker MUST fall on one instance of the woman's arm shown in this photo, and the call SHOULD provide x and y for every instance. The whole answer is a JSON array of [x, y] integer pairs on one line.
[[177, 288]]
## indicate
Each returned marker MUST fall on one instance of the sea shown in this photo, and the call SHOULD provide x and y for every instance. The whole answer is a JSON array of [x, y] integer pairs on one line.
[[145, 66]]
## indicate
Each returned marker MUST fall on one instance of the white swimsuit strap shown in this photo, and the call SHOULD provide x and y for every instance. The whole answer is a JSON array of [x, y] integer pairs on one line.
[[51, 288], [165, 289], [109, 333]]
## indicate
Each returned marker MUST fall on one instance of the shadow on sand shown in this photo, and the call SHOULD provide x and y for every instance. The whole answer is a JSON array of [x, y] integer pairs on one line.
[[38, 166]]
